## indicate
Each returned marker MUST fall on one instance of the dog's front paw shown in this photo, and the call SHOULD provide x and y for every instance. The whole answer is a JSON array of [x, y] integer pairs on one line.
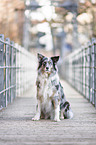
[[57, 119], [62, 117], [35, 118]]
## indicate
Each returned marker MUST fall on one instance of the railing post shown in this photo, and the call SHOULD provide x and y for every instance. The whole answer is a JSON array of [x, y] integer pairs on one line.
[[85, 72], [91, 78], [84, 75], [17, 70], [19, 73], [7, 72], [82, 71], [2, 97], [12, 73], [89, 70], [14, 70], [94, 71]]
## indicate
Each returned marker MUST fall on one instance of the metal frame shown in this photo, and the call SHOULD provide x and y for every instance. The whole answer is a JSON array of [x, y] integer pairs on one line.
[[79, 69], [17, 69]]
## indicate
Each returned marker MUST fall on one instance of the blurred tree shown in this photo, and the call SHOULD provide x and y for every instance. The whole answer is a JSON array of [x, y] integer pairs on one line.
[[12, 19]]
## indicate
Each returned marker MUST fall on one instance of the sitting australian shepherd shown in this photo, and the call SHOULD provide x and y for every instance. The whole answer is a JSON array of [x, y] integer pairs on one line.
[[51, 99]]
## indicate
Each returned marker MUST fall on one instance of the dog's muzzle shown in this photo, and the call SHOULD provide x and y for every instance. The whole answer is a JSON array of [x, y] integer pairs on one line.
[[47, 70]]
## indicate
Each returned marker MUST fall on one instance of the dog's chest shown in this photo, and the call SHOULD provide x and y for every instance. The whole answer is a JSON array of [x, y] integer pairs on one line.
[[46, 91], [47, 87]]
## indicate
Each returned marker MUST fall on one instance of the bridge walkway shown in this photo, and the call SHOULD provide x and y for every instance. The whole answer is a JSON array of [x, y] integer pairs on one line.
[[17, 128]]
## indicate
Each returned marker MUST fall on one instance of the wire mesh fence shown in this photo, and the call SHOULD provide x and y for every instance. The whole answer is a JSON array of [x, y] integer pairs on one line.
[[17, 70], [79, 69]]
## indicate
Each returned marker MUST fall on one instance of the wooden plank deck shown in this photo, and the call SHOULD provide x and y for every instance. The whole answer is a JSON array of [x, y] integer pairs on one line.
[[17, 128]]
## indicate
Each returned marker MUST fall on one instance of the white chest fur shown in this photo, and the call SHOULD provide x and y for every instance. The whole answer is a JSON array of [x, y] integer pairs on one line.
[[47, 91]]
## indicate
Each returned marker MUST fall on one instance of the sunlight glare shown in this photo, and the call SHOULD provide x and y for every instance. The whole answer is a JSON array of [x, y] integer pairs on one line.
[[43, 27], [37, 16], [48, 12]]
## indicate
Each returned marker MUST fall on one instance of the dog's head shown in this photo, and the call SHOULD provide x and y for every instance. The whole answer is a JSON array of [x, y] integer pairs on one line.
[[47, 64]]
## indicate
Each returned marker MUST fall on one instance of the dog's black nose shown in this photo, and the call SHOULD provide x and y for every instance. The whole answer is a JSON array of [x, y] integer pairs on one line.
[[47, 68]]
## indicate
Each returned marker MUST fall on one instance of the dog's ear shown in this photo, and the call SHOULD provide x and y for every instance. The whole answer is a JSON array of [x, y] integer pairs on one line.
[[55, 59], [40, 56]]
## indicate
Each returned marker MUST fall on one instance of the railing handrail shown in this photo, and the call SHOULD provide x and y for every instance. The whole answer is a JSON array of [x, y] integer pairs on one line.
[[17, 48], [17, 67], [85, 46], [79, 69]]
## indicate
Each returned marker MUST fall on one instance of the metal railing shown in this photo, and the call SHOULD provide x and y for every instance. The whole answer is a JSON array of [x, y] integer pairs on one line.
[[79, 69], [17, 70]]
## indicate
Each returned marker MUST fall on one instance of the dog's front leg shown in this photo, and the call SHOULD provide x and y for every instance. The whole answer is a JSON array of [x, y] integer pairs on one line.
[[62, 114], [56, 112], [56, 117], [38, 113]]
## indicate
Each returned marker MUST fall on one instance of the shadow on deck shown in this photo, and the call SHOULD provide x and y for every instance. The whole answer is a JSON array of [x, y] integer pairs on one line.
[[16, 126]]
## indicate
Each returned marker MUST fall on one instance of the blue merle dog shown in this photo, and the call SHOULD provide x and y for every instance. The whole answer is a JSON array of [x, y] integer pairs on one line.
[[50, 96]]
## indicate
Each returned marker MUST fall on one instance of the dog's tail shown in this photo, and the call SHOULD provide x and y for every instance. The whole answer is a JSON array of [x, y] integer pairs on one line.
[[67, 110]]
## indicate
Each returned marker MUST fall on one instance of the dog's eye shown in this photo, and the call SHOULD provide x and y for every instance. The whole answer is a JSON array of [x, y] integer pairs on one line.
[[49, 62], [44, 63]]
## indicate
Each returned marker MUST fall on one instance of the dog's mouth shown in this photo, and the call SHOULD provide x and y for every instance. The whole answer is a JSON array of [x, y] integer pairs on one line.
[[47, 71]]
